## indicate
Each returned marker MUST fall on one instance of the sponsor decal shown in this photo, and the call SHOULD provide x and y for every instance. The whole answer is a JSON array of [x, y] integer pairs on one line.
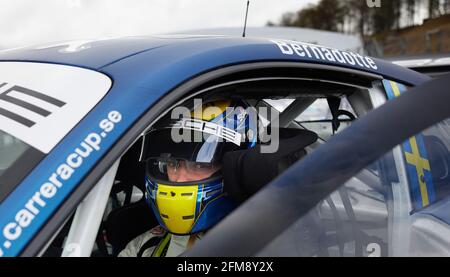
[[49, 189], [5, 96], [40, 103], [320, 53]]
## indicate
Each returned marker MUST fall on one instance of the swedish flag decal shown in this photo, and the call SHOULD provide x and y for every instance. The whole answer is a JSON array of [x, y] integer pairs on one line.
[[416, 158]]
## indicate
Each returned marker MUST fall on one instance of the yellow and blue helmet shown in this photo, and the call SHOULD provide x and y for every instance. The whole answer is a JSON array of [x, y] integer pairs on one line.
[[183, 154]]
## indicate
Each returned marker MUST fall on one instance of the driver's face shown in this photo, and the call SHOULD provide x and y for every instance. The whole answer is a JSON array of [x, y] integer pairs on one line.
[[184, 173]]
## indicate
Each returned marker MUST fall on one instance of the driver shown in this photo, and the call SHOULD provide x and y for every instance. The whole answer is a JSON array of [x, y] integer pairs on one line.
[[184, 182]]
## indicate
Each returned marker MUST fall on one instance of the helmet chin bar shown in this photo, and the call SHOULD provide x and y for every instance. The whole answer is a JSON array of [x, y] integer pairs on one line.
[[247, 171]]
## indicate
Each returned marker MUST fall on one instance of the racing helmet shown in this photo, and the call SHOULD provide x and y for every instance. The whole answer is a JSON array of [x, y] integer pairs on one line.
[[183, 154]]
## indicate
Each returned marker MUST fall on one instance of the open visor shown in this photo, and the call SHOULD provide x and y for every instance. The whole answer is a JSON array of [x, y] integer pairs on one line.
[[189, 145]]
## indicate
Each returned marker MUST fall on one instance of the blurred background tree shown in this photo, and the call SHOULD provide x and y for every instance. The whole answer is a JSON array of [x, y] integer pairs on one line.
[[398, 27], [433, 8], [354, 16]]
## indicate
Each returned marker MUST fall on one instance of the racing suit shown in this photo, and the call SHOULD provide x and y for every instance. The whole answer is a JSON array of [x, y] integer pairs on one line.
[[157, 242]]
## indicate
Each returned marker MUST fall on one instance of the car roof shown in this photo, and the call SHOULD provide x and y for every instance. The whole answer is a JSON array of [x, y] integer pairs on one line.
[[142, 54]]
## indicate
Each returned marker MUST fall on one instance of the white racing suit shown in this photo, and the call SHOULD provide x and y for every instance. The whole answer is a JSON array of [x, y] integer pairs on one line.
[[157, 242]]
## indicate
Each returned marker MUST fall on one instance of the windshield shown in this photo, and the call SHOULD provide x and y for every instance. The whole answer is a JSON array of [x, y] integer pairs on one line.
[[16, 160]]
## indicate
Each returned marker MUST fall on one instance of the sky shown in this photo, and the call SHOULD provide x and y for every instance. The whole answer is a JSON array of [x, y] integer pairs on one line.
[[28, 22]]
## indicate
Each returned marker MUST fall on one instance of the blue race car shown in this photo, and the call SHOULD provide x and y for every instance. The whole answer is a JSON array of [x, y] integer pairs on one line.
[[72, 118]]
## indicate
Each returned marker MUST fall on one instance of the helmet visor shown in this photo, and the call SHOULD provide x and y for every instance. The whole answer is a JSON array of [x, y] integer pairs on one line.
[[181, 170], [199, 147]]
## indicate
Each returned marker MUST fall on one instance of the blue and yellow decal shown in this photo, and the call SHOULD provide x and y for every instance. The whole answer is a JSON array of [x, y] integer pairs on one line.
[[416, 159]]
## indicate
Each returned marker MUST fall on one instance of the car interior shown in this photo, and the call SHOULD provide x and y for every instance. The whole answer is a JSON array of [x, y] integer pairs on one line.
[[321, 107]]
